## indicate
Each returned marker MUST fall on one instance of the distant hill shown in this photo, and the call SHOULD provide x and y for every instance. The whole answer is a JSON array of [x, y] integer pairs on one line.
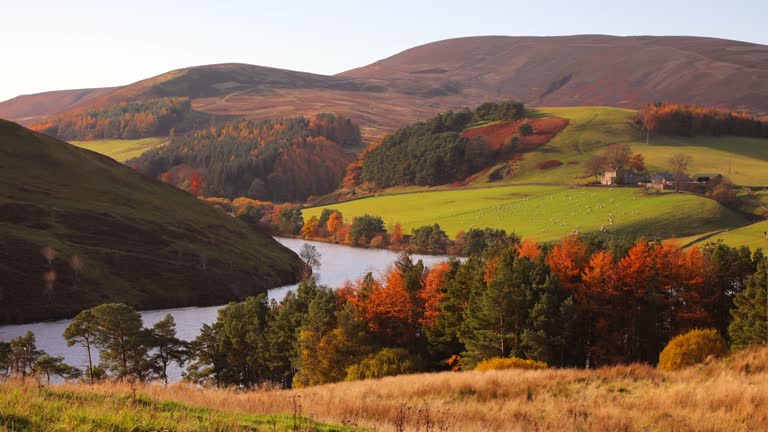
[[29, 108], [140, 241], [419, 82], [584, 70]]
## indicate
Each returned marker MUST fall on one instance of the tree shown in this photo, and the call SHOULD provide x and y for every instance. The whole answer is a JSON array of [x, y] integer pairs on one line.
[[397, 234], [366, 227], [122, 341], [595, 166], [750, 312], [495, 318], [206, 361], [81, 332], [48, 365], [679, 162], [5, 352], [23, 355], [618, 157], [430, 238], [310, 228], [526, 129], [311, 257], [334, 224], [167, 347]]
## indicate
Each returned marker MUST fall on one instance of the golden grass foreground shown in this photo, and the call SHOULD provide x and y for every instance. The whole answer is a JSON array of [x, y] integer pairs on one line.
[[730, 394]]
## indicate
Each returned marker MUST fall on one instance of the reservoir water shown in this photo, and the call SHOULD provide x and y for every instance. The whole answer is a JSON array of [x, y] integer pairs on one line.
[[338, 264]]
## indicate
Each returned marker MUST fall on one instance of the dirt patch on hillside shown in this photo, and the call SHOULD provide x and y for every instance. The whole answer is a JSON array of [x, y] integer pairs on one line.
[[544, 129]]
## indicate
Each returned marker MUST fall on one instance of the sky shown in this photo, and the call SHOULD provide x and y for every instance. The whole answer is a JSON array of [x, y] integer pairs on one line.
[[55, 44]]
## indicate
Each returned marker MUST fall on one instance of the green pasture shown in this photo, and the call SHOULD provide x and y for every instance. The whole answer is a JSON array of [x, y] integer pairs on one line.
[[121, 150]]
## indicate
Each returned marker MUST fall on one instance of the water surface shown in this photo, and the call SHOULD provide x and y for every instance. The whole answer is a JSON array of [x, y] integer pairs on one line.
[[338, 264]]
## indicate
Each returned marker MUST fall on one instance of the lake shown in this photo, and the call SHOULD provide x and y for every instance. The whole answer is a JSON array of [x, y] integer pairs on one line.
[[338, 264]]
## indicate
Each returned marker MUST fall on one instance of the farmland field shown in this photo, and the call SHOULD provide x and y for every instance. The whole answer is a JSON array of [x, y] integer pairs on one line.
[[121, 150], [547, 212], [591, 129]]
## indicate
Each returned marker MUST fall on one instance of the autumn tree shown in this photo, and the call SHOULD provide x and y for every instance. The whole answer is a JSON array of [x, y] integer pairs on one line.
[[618, 158], [310, 228], [334, 224], [567, 260]]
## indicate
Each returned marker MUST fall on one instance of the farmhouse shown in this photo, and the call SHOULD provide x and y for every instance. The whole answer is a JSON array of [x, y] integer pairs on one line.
[[662, 180], [609, 178]]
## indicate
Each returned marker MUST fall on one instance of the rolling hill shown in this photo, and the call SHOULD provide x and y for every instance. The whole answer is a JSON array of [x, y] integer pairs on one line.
[[583, 70], [138, 240], [450, 74], [545, 203]]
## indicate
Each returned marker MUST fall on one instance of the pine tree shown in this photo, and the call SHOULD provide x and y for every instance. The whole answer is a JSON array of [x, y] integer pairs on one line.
[[750, 312], [167, 347]]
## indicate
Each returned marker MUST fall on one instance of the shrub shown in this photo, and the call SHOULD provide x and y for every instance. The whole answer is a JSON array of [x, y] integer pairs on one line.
[[526, 129], [387, 362], [547, 164], [692, 348], [499, 363]]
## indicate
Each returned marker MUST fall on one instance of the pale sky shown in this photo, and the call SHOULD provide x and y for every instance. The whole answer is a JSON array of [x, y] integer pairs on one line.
[[56, 44]]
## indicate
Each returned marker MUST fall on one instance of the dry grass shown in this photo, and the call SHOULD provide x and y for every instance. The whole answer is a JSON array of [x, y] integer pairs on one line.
[[727, 395]]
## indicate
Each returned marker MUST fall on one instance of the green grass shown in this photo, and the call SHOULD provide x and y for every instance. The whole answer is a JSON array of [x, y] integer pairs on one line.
[[591, 129], [547, 212], [752, 236], [121, 150], [27, 408]]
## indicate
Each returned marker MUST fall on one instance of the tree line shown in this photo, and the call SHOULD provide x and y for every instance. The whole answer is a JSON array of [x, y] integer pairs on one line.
[[433, 152], [127, 120], [282, 160], [581, 302], [693, 120]]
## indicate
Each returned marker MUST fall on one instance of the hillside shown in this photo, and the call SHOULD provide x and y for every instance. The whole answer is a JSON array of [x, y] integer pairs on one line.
[[138, 241], [28, 108], [583, 70], [451, 74], [726, 395], [543, 195]]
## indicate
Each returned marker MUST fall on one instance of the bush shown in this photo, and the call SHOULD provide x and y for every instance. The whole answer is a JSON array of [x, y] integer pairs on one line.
[[387, 362], [692, 348], [526, 129], [500, 363]]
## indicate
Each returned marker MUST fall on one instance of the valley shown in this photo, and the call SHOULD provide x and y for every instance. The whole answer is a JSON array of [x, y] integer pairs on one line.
[[488, 233]]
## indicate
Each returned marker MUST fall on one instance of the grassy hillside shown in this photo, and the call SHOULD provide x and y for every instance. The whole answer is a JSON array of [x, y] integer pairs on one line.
[[546, 212], [591, 129], [140, 241], [726, 395], [121, 150], [29, 408]]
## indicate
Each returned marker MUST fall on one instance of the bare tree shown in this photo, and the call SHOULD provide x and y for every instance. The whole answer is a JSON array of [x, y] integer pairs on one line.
[[617, 157], [49, 254], [595, 166], [679, 162], [311, 257]]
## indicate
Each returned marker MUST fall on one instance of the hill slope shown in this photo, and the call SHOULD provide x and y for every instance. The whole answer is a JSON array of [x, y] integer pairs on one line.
[[27, 108], [140, 241], [584, 70], [454, 73], [725, 395]]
